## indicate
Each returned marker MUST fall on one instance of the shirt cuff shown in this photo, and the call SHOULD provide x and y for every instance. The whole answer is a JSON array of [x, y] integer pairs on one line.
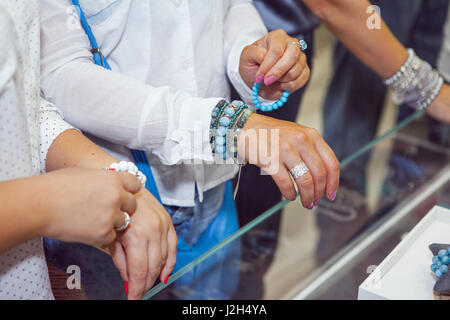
[[51, 126], [188, 139]]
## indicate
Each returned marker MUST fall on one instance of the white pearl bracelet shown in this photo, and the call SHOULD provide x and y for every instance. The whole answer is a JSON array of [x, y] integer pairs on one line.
[[130, 167]]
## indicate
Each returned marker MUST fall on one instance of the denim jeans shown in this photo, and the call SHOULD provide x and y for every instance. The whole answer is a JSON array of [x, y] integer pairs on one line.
[[191, 222]]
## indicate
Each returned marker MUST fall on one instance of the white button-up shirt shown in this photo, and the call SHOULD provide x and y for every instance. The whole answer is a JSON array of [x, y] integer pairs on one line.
[[171, 64], [28, 126]]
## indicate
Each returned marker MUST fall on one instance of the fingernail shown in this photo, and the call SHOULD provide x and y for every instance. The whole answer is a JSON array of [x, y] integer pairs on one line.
[[111, 169], [333, 196], [166, 279], [310, 206], [316, 203], [125, 285], [268, 81], [259, 78]]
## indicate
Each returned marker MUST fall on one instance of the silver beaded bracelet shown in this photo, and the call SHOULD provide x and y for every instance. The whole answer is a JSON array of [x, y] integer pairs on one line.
[[416, 83]]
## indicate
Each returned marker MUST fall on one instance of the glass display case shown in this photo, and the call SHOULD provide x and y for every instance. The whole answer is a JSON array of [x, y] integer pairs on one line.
[[289, 252]]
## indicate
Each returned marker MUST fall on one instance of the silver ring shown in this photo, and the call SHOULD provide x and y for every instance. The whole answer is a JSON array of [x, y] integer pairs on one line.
[[301, 44], [299, 170], [126, 223]]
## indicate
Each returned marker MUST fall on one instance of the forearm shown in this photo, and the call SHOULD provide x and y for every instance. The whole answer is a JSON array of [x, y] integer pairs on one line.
[[347, 19], [72, 149], [22, 210]]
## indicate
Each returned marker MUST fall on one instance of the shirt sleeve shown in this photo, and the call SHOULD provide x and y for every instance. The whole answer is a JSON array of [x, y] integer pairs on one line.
[[242, 26], [172, 124], [51, 126]]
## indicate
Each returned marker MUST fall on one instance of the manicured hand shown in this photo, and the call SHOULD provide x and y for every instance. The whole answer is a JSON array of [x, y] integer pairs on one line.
[[277, 61], [278, 146], [85, 205], [147, 249]]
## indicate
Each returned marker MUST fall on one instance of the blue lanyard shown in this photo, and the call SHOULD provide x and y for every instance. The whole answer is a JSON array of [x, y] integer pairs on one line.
[[140, 157]]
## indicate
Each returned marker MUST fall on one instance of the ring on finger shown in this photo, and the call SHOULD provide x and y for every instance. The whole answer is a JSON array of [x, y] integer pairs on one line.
[[126, 222], [301, 44], [299, 170]]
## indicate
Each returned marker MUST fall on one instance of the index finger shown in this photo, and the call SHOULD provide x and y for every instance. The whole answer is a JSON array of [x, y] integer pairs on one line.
[[276, 46]]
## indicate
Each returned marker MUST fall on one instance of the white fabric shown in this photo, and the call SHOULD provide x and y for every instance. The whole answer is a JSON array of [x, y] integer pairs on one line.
[[171, 63], [23, 270]]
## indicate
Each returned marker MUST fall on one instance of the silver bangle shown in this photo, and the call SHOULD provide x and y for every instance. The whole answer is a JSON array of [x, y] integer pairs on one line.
[[416, 83]]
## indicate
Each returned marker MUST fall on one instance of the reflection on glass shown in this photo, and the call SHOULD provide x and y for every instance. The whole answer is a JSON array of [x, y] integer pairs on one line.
[[286, 248]]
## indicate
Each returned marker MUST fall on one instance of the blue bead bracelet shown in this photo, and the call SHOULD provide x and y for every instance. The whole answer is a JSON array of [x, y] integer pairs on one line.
[[279, 103], [274, 106], [440, 262]]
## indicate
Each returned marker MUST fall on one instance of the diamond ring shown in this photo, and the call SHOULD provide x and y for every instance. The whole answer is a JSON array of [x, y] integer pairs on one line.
[[299, 170]]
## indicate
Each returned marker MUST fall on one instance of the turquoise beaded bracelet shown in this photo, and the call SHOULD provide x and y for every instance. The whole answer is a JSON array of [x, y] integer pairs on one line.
[[225, 117], [279, 103], [440, 262], [274, 106]]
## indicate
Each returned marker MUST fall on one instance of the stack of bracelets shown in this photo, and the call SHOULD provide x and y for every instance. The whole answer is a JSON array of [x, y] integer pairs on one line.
[[228, 119], [440, 262], [416, 83], [227, 122]]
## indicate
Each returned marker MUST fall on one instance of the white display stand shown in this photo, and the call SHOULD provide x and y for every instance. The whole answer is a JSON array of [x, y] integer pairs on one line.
[[405, 274]]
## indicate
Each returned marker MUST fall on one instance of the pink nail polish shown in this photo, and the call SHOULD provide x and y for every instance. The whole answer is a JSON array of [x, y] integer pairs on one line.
[[310, 206], [259, 78], [316, 203], [333, 196], [270, 80]]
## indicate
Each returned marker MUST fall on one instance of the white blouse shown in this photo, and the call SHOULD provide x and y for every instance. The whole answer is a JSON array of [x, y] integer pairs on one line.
[[28, 126], [171, 64]]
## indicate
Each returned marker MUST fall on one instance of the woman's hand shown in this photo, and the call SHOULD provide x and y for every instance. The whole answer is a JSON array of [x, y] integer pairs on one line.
[[84, 205], [440, 107], [147, 249], [278, 146], [278, 61]]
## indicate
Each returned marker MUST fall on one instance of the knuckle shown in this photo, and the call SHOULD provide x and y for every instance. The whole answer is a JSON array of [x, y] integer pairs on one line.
[[139, 275], [156, 225], [335, 166], [301, 137], [291, 86], [297, 55], [321, 174], [285, 184], [285, 147], [306, 181], [280, 32], [313, 133], [277, 52]]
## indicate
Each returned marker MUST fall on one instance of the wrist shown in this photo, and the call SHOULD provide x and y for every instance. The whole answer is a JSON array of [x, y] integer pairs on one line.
[[46, 208]]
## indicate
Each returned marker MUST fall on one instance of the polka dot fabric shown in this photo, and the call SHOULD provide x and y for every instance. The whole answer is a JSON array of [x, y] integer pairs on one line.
[[28, 126]]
